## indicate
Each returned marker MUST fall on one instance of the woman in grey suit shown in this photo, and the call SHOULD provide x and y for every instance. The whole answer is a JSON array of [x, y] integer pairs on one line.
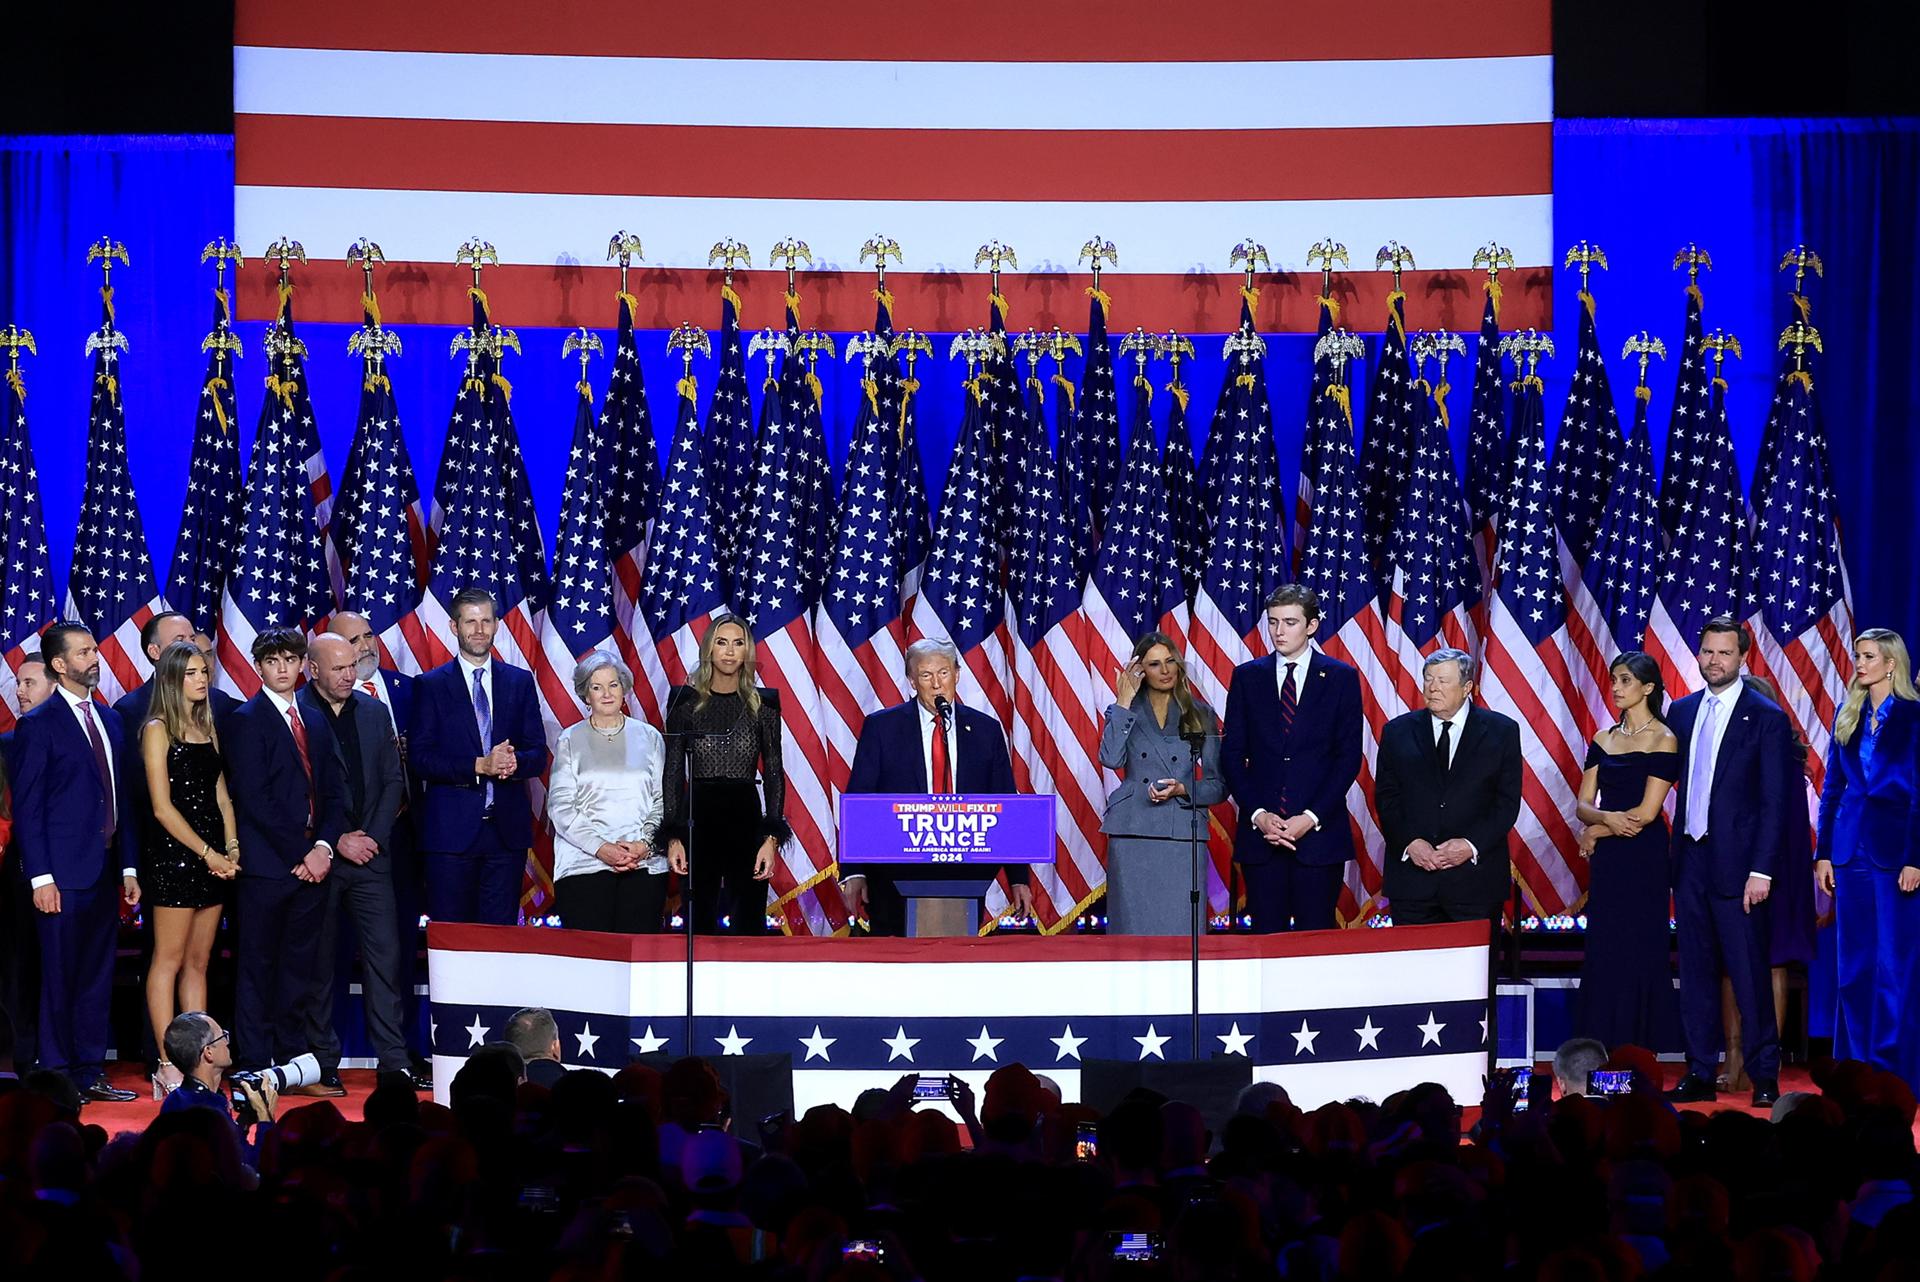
[[1150, 731]]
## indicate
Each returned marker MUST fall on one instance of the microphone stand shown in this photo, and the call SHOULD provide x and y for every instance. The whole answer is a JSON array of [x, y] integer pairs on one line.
[[1195, 904], [689, 738]]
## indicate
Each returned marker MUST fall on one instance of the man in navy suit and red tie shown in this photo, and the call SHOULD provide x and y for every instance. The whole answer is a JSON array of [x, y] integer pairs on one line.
[[73, 825], [1290, 750], [288, 783], [931, 743], [477, 739], [1726, 831]]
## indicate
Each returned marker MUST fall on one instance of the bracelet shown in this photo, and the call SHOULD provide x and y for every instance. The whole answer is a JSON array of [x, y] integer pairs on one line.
[[206, 851]]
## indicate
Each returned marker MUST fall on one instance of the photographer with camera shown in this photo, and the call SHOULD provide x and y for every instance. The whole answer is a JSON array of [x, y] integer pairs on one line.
[[197, 1046]]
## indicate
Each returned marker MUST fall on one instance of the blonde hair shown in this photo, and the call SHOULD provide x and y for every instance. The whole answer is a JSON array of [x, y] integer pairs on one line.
[[170, 707], [702, 679], [1847, 720]]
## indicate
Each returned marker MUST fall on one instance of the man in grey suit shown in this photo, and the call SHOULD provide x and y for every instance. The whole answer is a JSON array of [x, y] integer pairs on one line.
[[361, 887]]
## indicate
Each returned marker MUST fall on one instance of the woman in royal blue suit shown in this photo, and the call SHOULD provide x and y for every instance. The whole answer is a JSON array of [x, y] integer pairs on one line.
[[1869, 856]]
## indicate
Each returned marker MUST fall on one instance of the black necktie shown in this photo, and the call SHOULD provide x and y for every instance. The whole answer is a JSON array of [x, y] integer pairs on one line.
[[1445, 747]]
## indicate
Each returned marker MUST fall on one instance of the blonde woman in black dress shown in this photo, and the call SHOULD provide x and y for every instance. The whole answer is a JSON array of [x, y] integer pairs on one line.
[[736, 836], [189, 848]]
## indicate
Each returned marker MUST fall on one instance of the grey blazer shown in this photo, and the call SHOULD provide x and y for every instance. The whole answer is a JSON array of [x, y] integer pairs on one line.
[[382, 779], [1133, 741]]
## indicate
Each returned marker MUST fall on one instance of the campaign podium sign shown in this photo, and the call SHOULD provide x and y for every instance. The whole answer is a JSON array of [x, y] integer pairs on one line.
[[946, 831]]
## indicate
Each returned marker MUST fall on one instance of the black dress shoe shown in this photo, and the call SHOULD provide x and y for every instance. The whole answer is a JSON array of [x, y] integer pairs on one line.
[[1693, 1090], [328, 1087], [102, 1093], [420, 1081], [1766, 1092]]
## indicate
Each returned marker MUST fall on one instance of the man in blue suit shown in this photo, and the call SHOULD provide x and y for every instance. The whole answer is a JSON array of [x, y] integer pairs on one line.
[[75, 831], [1290, 750], [931, 743], [1726, 833], [477, 739], [288, 784], [19, 943]]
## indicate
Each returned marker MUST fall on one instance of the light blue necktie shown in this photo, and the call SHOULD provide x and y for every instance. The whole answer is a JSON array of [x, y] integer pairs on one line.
[[483, 716], [1700, 780]]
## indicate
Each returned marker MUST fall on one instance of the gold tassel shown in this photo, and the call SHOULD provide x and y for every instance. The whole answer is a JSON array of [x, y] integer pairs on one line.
[[1179, 394], [999, 301], [687, 387], [1140, 380], [506, 388], [1395, 320], [793, 305], [1720, 383], [1244, 380], [1494, 290], [1535, 382], [633, 304], [472, 384], [113, 387], [884, 297], [1699, 299], [226, 304], [106, 298], [1039, 390], [772, 384], [1066, 388], [977, 386], [726, 292], [813, 384], [582, 388], [908, 386], [1805, 305], [376, 383], [370, 305], [1250, 294], [1587, 300], [1103, 298], [1343, 396], [19, 385], [217, 386], [872, 389], [283, 388], [1332, 305], [1643, 393], [1803, 378], [286, 294], [479, 296], [1440, 404]]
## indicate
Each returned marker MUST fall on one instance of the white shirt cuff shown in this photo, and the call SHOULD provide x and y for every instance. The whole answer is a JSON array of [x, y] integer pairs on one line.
[[129, 872], [1762, 876], [45, 879], [1316, 819], [1254, 818], [1474, 857], [853, 877]]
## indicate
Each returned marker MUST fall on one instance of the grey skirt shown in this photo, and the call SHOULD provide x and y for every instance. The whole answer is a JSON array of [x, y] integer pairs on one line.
[[1147, 883]]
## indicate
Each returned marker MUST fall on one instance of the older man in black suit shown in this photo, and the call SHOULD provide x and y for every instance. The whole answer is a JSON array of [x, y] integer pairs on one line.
[[1447, 793]]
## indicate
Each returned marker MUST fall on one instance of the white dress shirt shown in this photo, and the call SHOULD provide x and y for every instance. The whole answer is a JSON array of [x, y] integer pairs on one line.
[[283, 704], [1302, 664], [927, 721], [81, 706], [1724, 704]]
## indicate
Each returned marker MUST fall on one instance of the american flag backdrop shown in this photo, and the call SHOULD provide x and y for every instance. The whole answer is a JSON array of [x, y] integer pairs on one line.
[[26, 579], [1691, 443], [729, 440], [1388, 437], [629, 467], [1622, 571], [1585, 455], [684, 587], [1090, 436], [1399, 115], [208, 543], [1488, 462], [111, 587]]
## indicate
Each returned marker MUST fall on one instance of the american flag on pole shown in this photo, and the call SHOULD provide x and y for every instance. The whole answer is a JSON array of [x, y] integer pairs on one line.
[[360, 114], [579, 617], [1053, 736], [1623, 570], [859, 631], [281, 580], [1691, 431], [683, 588], [1386, 455], [111, 587], [629, 468], [208, 544], [1090, 451], [912, 523], [1585, 456], [1310, 442], [730, 437], [380, 524], [26, 578], [303, 435], [1488, 463], [1185, 514], [1351, 628], [1705, 567], [778, 553], [1530, 671]]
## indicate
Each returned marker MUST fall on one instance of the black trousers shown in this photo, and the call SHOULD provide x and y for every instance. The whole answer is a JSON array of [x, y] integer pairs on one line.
[[1284, 894], [362, 895], [727, 832], [1717, 935], [626, 903], [280, 923], [20, 962]]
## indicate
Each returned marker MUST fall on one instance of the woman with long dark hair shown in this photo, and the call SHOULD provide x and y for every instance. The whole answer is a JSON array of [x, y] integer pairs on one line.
[[1150, 730], [737, 833], [191, 847], [1869, 856], [1626, 992]]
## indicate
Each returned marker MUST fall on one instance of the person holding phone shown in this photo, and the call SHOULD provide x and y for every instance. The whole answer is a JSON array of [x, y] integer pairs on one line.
[[1156, 733]]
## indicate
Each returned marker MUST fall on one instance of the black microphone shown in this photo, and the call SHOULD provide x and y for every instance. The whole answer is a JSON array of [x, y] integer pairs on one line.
[[941, 708]]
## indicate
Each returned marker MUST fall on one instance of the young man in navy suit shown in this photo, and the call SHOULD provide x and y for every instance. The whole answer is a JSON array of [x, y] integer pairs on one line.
[[1290, 750], [288, 785], [74, 828], [1726, 832], [477, 739], [931, 743]]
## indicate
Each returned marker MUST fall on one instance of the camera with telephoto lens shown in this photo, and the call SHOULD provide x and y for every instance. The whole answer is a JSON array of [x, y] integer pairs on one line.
[[301, 1070]]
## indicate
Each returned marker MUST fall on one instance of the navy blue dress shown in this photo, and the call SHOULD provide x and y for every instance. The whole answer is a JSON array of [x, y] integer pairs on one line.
[[1626, 993]]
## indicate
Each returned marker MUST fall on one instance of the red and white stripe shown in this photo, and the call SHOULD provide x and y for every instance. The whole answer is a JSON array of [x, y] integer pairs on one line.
[[360, 115], [1592, 641], [630, 637], [124, 666], [1361, 641], [1666, 646], [853, 683], [1214, 650], [805, 895], [1811, 672]]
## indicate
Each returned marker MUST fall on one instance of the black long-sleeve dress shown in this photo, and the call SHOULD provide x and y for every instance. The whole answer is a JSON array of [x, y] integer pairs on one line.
[[728, 821]]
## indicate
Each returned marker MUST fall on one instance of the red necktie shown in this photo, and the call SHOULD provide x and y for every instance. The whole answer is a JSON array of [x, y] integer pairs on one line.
[[299, 729], [942, 767], [100, 764], [370, 688]]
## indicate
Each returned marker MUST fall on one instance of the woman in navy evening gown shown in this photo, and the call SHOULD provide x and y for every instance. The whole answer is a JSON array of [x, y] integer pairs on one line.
[[1626, 992]]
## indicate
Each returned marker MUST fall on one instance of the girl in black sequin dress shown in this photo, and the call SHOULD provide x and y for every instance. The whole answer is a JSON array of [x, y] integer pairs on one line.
[[735, 839], [189, 848]]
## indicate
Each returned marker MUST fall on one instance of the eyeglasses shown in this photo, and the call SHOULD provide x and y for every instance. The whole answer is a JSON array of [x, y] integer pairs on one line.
[[216, 1041]]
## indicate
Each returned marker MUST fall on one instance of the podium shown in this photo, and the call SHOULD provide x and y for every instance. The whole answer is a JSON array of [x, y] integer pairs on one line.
[[950, 846]]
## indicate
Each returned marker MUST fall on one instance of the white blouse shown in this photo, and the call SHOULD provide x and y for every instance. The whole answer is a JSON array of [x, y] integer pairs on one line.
[[604, 789]]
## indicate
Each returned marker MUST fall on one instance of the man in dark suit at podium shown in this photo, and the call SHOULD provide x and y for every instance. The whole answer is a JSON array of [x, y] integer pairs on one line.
[[929, 744]]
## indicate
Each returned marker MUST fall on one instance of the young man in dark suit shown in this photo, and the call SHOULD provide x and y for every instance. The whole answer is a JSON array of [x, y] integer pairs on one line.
[[1290, 750], [74, 828], [1447, 793], [477, 739], [289, 800], [1726, 831], [931, 743]]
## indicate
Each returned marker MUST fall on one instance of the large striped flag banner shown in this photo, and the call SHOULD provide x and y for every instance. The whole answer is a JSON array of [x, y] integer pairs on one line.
[[1623, 570], [1310, 443], [1387, 444], [731, 433], [208, 544], [1327, 1015], [362, 115], [1090, 432], [281, 578], [684, 587], [1707, 558], [1691, 443], [1530, 667], [629, 469], [111, 587], [27, 603]]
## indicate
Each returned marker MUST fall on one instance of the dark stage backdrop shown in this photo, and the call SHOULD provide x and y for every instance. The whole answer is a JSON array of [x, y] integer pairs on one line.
[[1746, 190]]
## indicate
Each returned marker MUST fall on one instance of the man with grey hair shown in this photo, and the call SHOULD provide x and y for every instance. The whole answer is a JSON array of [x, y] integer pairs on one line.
[[1447, 793], [1575, 1061], [535, 1033], [929, 744]]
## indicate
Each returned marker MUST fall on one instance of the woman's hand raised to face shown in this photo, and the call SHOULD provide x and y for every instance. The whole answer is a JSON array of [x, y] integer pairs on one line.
[[1127, 684]]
